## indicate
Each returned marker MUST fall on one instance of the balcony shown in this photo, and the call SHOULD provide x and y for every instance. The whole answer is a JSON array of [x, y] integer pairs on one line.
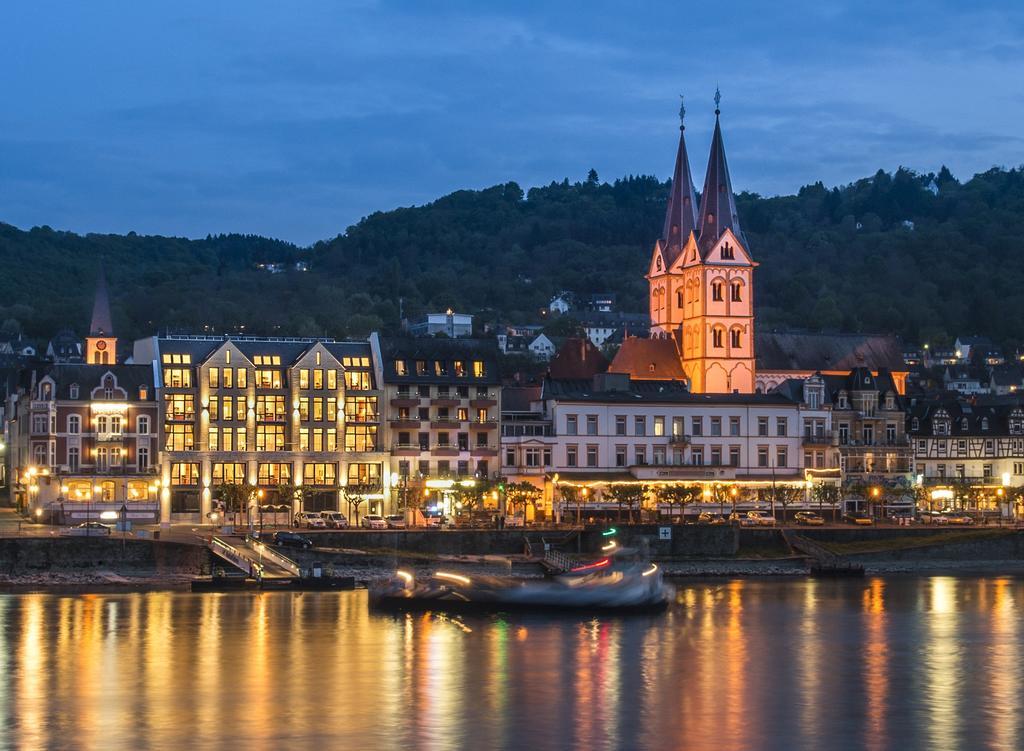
[[446, 423], [108, 437], [484, 450], [483, 424], [273, 418], [445, 449], [407, 449], [445, 400], [404, 421], [484, 402], [679, 439], [818, 438], [405, 400], [363, 418]]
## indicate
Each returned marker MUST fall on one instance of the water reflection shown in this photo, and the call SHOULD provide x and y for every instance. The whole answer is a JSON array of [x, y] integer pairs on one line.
[[903, 662]]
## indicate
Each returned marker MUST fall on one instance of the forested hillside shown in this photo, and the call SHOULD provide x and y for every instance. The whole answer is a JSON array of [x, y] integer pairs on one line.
[[920, 255]]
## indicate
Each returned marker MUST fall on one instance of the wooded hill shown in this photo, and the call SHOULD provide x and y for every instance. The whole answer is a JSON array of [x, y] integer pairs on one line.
[[923, 256]]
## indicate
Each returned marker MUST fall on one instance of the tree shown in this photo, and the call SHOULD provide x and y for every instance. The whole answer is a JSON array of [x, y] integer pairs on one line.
[[237, 497], [355, 496], [787, 494], [826, 493], [680, 495], [292, 495], [631, 496], [518, 495]]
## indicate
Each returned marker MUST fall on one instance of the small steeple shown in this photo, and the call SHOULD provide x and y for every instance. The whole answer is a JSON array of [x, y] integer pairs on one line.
[[101, 322], [681, 216], [717, 203]]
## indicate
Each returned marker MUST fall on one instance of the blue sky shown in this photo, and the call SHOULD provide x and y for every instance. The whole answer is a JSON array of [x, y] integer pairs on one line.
[[295, 119]]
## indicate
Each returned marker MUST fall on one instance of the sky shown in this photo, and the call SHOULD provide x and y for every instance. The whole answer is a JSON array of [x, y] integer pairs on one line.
[[295, 119]]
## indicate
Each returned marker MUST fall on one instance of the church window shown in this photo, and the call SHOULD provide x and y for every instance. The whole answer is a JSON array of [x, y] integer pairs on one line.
[[657, 264], [679, 298], [727, 252], [711, 218], [734, 338], [716, 338], [737, 292], [716, 291]]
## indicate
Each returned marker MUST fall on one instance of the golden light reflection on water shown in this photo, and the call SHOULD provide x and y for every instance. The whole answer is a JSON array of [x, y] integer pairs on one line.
[[740, 664]]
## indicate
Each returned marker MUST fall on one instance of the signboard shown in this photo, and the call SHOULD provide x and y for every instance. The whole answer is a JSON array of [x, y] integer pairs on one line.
[[664, 533]]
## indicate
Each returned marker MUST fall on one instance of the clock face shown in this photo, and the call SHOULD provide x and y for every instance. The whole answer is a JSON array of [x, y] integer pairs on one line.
[[101, 345]]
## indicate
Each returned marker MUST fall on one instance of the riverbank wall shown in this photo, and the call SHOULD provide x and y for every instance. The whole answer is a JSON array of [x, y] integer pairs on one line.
[[33, 556]]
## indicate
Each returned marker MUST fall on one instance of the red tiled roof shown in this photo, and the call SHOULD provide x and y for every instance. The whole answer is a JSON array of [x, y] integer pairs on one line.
[[648, 359], [578, 358]]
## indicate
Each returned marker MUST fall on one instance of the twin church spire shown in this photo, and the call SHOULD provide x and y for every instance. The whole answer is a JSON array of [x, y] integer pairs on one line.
[[717, 211], [701, 277]]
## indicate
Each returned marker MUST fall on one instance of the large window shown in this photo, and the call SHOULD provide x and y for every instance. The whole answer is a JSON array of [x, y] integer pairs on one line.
[[357, 380], [364, 474], [270, 437], [361, 438], [179, 437], [270, 408], [228, 473], [184, 473], [318, 473], [179, 406], [361, 409], [268, 379], [274, 473], [177, 377]]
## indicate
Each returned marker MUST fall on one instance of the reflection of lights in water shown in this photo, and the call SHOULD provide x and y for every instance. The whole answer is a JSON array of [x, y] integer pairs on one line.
[[651, 570], [808, 658], [876, 663], [448, 576], [941, 663], [32, 656], [1003, 664]]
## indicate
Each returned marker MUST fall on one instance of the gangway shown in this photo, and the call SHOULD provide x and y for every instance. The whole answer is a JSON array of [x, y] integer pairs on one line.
[[256, 560]]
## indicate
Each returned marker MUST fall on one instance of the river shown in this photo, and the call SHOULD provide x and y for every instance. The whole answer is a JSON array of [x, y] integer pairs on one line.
[[899, 662]]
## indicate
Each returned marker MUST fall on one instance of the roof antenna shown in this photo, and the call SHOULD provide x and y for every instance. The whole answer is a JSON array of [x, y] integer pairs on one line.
[[718, 99]]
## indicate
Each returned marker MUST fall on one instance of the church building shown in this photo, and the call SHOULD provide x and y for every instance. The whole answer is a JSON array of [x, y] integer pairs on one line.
[[701, 277]]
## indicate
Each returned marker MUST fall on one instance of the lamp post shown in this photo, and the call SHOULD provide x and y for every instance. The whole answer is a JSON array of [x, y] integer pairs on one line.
[[259, 501]]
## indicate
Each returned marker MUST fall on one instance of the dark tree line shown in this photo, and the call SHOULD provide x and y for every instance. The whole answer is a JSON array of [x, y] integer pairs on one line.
[[919, 255]]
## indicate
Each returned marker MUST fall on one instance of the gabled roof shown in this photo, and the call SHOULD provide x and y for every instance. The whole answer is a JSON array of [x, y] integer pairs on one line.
[[577, 358], [648, 359], [717, 203], [965, 418], [800, 351]]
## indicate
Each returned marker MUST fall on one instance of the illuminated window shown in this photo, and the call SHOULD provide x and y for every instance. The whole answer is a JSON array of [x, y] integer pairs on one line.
[[268, 379], [214, 378], [179, 406], [364, 474], [228, 473], [401, 367], [274, 473], [479, 369], [179, 437], [184, 473], [321, 474], [361, 408], [304, 378], [318, 379], [270, 437], [361, 438], [178, 378], [332, 379], [357, 380], [270, 408]]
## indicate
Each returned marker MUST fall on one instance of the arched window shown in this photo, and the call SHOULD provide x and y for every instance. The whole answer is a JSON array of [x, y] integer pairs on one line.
[[679, 299], [727, 252], [734, 338], [74, 424], [716, 291], [736, 294], [39, 454], [716, 338]]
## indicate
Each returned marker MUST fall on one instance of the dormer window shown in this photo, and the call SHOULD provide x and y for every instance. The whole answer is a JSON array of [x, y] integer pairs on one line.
[[984, 423], [963, 424], [940, 427], [46, 391], [842, 401], [915, 424], [143, 393], [73, 391]]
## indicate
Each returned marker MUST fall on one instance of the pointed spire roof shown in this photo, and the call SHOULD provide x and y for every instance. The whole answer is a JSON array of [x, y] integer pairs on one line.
[[717, 203], [681, 215], [101, 324]]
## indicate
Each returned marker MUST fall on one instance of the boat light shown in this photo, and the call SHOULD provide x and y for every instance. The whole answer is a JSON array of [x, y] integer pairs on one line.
[[404, 576], [609, 532], [452, 577], [610, 546], [651, 570], [597, 564]]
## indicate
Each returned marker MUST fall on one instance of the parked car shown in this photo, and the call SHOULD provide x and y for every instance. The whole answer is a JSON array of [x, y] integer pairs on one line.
[[292, 539], [87, 529], [334, 519], [957, 518], [711, 519], [395, 521], [373, 521], [761, 518], [808, 518], [859, 518], [310, 519]]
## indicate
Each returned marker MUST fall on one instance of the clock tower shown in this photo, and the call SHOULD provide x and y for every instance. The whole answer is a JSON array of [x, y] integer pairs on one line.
[[101, 344]]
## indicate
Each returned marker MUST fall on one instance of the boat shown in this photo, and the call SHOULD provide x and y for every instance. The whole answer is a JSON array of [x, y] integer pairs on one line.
[[606, 585]]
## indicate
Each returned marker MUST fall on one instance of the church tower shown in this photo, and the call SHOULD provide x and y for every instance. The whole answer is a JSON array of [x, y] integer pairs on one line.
[[101, 344], [707, 287], [665, 282]]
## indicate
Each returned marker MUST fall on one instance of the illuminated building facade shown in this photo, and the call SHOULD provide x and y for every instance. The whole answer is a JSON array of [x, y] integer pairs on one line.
[[298, 419], [443, 398]]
